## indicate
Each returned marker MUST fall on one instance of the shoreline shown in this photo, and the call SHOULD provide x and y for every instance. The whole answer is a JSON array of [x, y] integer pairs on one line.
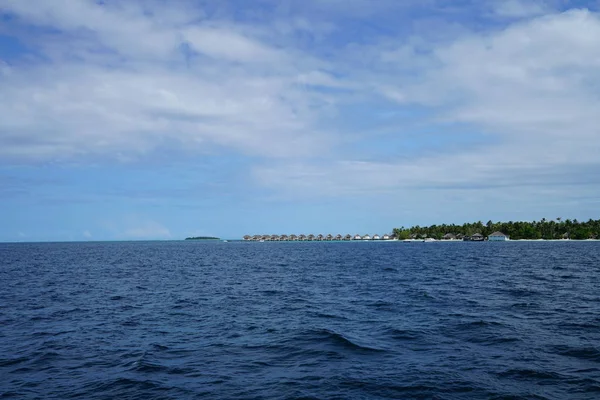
[[412, 241]]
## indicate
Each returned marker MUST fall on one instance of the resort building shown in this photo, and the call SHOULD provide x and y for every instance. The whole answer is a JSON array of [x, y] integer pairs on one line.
[[478, 237], [498, 237], [449, 236], [329, 237]]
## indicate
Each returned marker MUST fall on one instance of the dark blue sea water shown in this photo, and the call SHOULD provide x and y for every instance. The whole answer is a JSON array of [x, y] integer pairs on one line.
[[186, 320]]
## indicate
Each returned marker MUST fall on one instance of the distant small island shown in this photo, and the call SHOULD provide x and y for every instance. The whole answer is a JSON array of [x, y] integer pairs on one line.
[[202, 238]]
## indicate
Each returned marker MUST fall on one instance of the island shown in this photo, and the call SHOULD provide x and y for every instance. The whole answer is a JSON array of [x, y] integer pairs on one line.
[[202, 238], [544, 229], [559, 229]]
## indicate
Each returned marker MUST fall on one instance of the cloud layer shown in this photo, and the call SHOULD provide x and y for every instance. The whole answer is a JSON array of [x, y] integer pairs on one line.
[[123, 81], [493, 100]]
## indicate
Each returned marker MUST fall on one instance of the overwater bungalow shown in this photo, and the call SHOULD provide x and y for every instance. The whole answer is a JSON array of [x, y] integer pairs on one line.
[[310, 237], [386, 237], [275, 238], [320, 237], [478, 237], [366, 237], [449, 236], [357, 237], [338, 237], [247, 237], [376, 237], [284, 237], [293, 238], [348, 237], [302, 237], [329, 237]]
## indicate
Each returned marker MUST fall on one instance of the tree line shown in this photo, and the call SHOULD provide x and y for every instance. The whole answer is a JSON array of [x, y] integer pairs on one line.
[[543, 229]]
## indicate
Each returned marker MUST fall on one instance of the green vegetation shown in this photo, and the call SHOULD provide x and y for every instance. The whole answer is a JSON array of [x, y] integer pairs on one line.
[[544, 229], [202, 238]]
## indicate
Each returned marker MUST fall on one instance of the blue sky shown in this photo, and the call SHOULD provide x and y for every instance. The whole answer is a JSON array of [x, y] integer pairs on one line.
[[155, 119]]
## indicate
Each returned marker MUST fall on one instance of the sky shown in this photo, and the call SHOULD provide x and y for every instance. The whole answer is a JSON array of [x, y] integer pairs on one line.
[[156, 119]]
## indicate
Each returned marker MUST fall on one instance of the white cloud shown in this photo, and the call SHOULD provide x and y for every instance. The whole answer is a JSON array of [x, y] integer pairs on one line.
[[125, 80], [230, 46], [530, 89]]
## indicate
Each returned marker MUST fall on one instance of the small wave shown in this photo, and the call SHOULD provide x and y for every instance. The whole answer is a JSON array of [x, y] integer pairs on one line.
[[123, 386], [492, 339], [381, 304], [405, 334], [521, 292], [580, 326], [480, 323], [270, 292], [10, 395], [583, 353], [341, 340], [148, 367], [6, 362], [47, 356], [526, 374], [524, 305], [327, 316], [182, 303]]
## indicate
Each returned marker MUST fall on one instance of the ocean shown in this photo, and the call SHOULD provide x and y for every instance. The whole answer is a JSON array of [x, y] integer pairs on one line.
[[191, 320]]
